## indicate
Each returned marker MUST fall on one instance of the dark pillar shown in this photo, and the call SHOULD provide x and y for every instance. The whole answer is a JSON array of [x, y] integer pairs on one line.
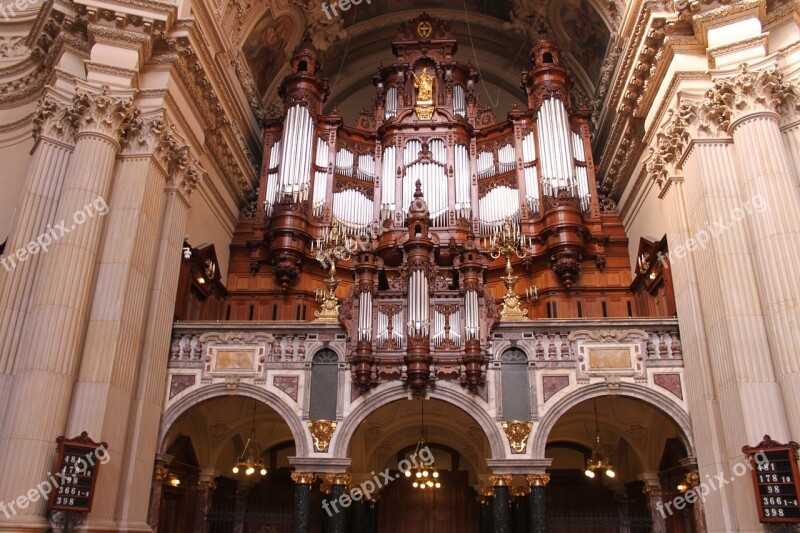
[[301, 518], [538, 502], [160, 474], [336, 514], [203, 500], [358, 517], [501, 512], [520, 512], [240, 507], [371, 515], [487, 503]]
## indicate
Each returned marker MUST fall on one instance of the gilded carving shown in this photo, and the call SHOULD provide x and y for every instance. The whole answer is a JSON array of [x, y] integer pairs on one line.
[[501, 480], [517, 432], [322, 431], [538, 480], [304, 478]]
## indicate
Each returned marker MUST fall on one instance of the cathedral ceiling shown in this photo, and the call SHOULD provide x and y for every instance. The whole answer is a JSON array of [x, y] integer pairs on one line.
[[495, 35]]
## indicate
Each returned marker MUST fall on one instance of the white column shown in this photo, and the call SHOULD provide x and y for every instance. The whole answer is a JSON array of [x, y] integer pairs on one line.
[[53, 334], [103, 392], [752, 100], [51, 155], [149, 389]]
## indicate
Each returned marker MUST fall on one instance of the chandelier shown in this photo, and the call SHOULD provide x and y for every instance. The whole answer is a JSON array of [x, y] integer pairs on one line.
[[598, 462], [424, 476], [250, 460]]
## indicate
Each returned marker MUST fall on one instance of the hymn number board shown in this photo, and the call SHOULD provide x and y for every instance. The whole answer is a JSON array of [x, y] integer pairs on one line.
[[76, 473], [775, 480]]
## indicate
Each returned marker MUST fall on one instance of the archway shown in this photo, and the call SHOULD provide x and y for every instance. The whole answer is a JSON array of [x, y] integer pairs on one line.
[[614, 458], [213, 490], [454, 445]]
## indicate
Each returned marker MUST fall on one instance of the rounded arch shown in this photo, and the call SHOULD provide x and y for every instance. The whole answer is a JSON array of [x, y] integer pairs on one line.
[[391, 392], [300, 433], [632, 390]]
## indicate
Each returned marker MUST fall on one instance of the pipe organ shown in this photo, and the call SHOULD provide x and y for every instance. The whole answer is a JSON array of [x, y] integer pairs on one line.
[[419, 187]]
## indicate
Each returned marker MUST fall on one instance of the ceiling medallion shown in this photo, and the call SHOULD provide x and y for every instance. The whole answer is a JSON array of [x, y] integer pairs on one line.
[[424, 29]]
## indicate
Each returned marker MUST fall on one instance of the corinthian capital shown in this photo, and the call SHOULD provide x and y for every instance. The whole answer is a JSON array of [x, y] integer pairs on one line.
[[154, 135], [51, 119], [102, 113], [185, 173], [749, 92]]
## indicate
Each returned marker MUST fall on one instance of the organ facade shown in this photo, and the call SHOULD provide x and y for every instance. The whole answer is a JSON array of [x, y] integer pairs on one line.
[[419, 192]]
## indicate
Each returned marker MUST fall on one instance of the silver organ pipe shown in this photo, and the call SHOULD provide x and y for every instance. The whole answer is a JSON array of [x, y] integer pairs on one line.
[[555, 142], [297, 151], [321, 177], [418, 304], [499, 203], [366, 167], [507, 157], [353, 210], [486, 167], [459, 101], [471, 316], [432, 178], [344, 162], [531, 178], [384, 332], [365, 316], [439, 333], [580, 171], [272, 177], [388, 182], [391, 102], [463, 204]]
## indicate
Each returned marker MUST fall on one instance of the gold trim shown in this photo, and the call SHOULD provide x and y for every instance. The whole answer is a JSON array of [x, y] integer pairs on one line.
[[322, 431], [538, 480], [517, 432], [501, 480], [304, 478]]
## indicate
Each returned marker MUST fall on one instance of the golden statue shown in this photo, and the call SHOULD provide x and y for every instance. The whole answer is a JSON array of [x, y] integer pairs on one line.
[[424, 83]]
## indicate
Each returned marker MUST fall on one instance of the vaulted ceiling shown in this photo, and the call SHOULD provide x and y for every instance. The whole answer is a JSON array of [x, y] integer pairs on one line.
[[494, 35]]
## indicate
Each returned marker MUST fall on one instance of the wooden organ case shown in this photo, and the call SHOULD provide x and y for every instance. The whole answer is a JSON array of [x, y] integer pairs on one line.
[[419, 184]]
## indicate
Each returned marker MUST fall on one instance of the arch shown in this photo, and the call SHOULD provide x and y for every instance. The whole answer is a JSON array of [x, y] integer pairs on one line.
[[391, 392], [300, 433], [632, 390]]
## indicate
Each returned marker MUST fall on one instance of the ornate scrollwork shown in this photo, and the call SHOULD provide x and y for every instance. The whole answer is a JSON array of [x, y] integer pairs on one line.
[[321, 431], [517, 432]]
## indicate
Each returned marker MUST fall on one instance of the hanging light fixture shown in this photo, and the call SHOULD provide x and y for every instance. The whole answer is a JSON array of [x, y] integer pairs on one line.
[[598, 462], [250, 460], [424, 476]]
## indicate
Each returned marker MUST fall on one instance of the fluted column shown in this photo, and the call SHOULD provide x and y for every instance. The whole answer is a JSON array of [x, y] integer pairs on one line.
[[301, 519], [537, 522], [53, 334], [751, 102], [501, 512], [701, 393], [148, 397], [107, 374], [29, 230]]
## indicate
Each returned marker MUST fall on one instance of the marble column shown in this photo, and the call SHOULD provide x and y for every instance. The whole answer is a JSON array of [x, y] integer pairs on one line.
[[204, 498], [698, 507], [701, 396], [107, 374], [501, 515], [521, 509], [486, 500], [655, 501], [53, 335], [752, 102], [537, 523], [52, 150], [338, 502], [160, 474], [371, 515], [240, 506], [301, 519], [148, 396]]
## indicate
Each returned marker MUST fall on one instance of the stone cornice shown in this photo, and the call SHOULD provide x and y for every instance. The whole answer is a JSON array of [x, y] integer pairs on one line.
[[712, 53]]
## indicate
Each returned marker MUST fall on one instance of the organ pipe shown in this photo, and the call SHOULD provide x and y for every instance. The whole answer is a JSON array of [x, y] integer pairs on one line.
[[365, 316], [459, 101]]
